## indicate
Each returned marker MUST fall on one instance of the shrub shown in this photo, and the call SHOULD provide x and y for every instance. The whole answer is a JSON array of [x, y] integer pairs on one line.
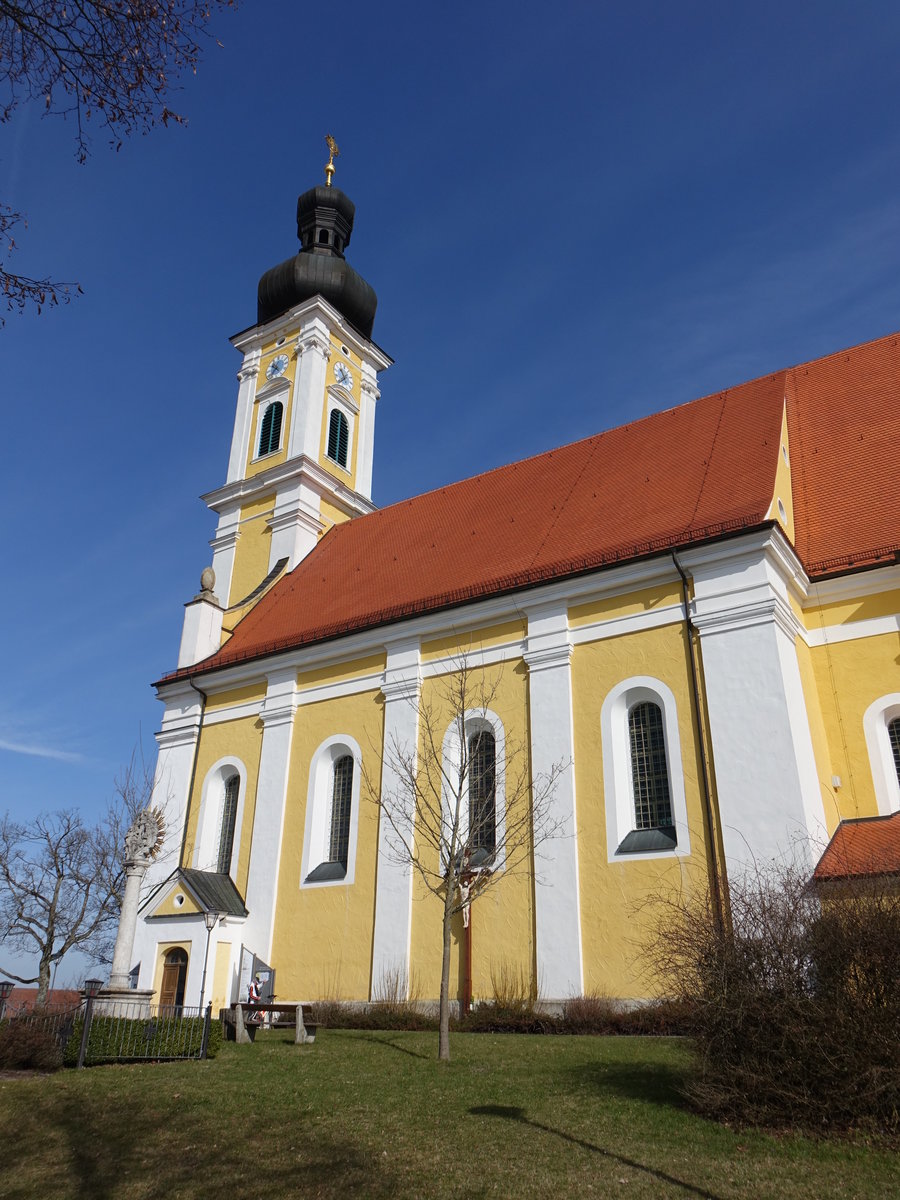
[[120, 1038], [795, 1002], [27, 1045]]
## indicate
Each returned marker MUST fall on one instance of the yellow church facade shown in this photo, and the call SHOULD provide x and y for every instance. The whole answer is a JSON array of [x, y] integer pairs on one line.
[[689, 624]]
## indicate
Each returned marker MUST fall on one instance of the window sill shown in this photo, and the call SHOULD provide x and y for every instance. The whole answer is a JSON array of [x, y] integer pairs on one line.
[[327, 872], [642, 841]]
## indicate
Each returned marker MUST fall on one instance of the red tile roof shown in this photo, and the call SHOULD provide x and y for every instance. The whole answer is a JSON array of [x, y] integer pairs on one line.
[[681, 476], [868, 846], [22, 999], [844, 429]]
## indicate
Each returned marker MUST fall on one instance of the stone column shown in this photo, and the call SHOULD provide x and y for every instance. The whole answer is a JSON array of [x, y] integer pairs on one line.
[[120, 974]]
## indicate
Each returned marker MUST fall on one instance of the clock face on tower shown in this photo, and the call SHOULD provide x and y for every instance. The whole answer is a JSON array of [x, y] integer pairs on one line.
[[343, 376], [277, 366]]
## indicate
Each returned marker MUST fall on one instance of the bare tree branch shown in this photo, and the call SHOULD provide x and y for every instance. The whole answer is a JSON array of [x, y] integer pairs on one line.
[[106, 61]]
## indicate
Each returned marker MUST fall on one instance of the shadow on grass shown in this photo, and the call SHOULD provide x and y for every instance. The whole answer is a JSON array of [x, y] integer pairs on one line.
[[510, 1113], [109, 1153], [384, 1040], [650, 1083]]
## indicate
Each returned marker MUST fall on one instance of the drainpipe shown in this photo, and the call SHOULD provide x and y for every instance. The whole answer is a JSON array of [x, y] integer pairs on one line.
[[705, 769], [187, 810]]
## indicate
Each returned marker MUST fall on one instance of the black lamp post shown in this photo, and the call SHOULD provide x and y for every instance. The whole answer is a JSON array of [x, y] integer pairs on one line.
[[6, 986], [211, 919], [91, 992]]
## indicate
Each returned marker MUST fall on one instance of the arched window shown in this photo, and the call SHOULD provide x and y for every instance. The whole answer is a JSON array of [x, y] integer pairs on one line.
[[476, 744], [649, 769], [218, 835], [482, 791], [643, 777], [270, 430], [332, 814], [229, 816], [338, 437], [341, 798], [894, 736]]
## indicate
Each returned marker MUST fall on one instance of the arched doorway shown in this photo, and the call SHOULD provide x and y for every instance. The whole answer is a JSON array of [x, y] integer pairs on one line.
[[174, 978]]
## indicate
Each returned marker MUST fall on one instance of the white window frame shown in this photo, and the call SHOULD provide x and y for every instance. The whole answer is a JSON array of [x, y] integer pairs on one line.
[[476, 719], [317, 830], [276, 392], [876, 719], [338, 399], [209, 823], [618, 781]]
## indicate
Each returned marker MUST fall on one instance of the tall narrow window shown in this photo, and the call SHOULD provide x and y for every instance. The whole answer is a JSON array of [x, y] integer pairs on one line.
[[229, 815], [482, 791], [338, 437], [894, 736], [341, 796], [270, 430], [649, 769]]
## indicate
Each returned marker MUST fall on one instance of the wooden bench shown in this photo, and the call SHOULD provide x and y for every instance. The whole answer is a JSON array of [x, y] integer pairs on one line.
[[301, 1020]]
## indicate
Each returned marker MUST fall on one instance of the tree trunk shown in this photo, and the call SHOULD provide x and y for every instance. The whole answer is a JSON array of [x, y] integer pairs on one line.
[[43, 983], [444, 1037]]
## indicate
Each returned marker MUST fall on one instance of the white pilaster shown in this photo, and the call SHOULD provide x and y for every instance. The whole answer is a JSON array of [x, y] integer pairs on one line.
[[271, 797], [770, 802], [223, 546], [313, 350], [368, 398], [393, 895], [296, 523], [556, 892], [243, 420]]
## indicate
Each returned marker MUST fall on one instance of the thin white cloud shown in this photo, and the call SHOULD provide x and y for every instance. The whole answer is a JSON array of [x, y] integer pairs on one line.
[[40, 751]]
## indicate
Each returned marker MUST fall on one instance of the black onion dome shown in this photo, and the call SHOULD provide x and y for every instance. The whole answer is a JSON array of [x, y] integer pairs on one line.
[[324, 224]]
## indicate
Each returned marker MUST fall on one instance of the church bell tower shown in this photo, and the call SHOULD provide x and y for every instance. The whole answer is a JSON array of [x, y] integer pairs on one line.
[[301, 452]]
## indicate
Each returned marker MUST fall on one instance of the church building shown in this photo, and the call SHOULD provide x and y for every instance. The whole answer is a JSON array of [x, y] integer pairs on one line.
[[689, 624]]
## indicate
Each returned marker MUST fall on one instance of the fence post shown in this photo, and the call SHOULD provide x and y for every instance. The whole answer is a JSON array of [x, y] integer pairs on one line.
[[207, 1020], [91, 989]]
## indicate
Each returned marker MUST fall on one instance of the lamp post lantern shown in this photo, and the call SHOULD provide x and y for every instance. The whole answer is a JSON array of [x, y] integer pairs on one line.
[[6, 987]]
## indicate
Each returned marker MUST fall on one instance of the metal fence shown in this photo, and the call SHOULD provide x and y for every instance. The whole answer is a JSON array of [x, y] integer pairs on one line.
[[157, 1032], [95, 1032], [55, 1024]]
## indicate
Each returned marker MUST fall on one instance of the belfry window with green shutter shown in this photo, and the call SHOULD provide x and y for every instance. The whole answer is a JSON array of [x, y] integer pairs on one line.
[[270, 430], [338, 437]]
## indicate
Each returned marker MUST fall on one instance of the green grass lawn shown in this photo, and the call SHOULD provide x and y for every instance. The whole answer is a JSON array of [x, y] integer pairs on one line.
[[375, 1115]]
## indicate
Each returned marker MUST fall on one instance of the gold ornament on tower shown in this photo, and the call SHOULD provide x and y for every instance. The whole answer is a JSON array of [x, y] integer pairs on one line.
[[333, 154]]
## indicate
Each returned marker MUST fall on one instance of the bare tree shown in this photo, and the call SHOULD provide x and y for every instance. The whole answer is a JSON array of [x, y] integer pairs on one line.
[[92, 60], [61, 879], [464, 812]]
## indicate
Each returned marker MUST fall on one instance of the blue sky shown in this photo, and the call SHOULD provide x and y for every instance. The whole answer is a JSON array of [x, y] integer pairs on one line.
[[573, 215]]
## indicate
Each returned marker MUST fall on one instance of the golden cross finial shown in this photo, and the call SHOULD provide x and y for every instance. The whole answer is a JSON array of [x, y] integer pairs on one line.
[[334, 152]]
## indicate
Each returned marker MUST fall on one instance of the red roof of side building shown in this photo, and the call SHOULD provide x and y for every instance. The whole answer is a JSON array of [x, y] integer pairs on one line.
[[22, 999], [678, 477], [867, 846]]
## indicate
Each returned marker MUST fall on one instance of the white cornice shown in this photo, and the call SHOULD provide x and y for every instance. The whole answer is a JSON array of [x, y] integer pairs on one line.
[[597, 585], [855, 586], [258, 336], [302, 469]]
